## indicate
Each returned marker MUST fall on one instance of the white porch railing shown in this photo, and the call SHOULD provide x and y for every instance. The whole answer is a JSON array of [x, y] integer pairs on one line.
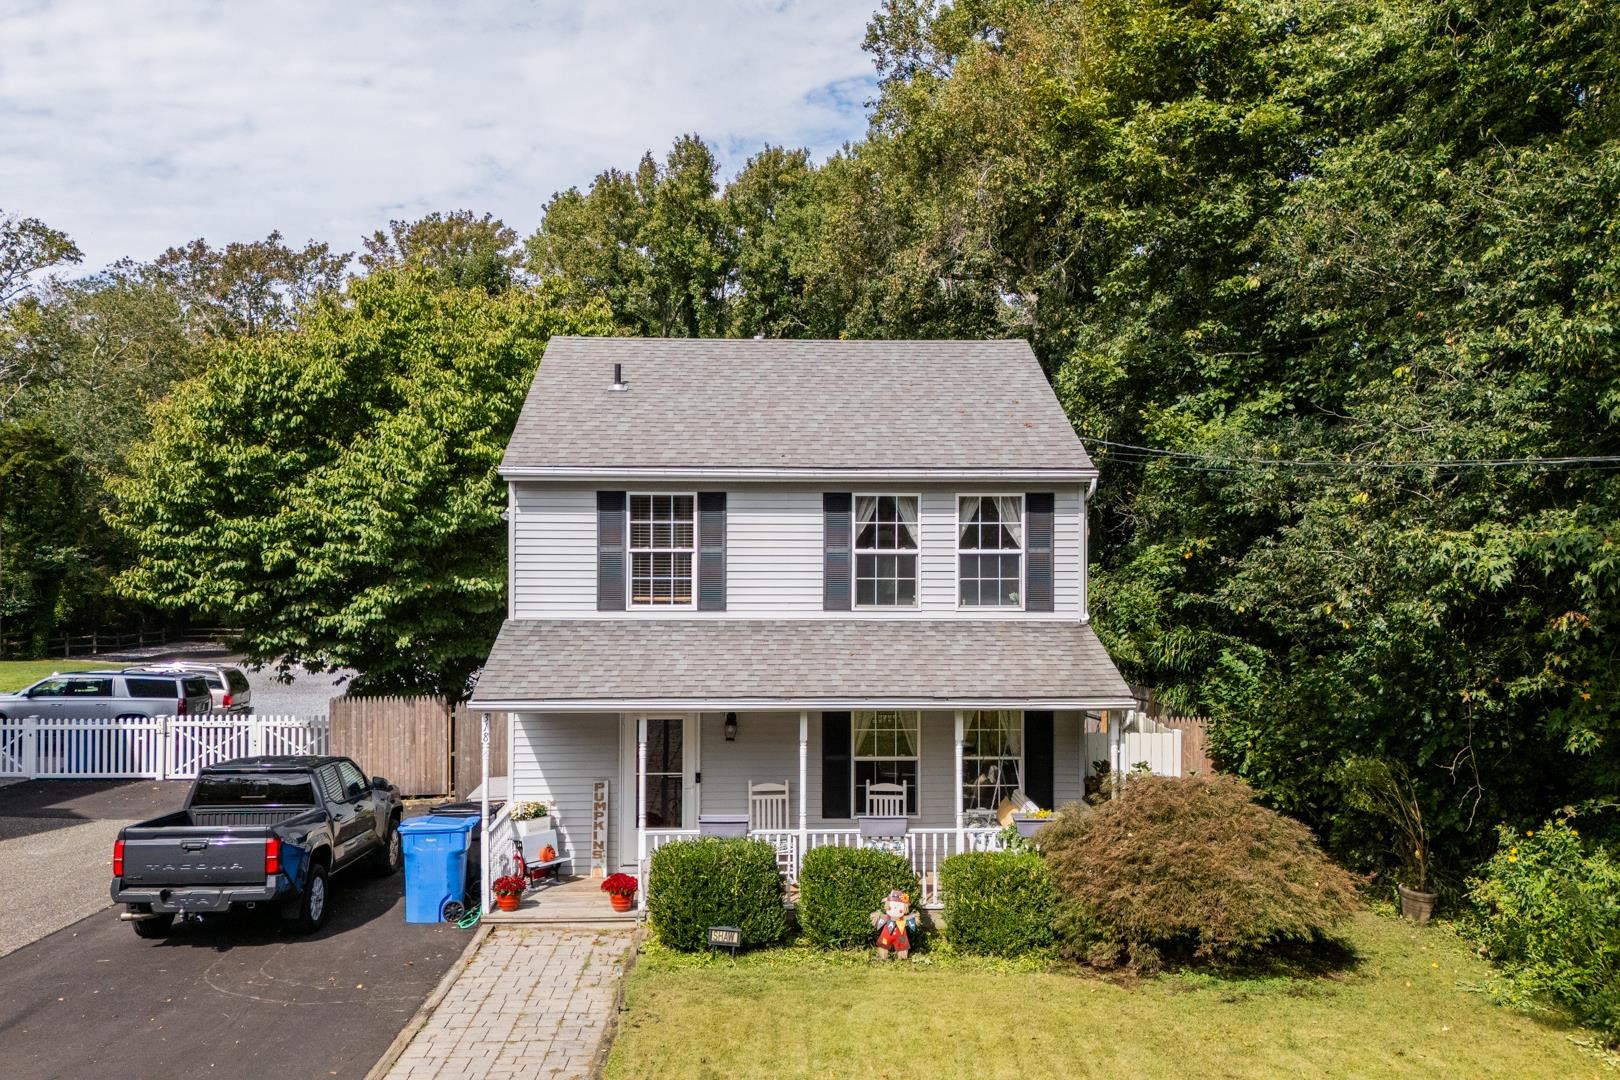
[[925, 848], [148, 748]]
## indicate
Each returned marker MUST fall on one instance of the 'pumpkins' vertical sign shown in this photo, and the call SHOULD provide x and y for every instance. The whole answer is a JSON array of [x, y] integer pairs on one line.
[[599, 828]]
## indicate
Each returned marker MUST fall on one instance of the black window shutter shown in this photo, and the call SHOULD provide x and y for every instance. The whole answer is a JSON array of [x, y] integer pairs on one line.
[[835, 513], [611, 535], [1038, 543], [1038, 758], [711, 550], [837, 795]]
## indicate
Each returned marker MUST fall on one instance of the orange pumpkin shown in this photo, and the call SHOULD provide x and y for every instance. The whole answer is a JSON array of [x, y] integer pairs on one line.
[[547, 853]]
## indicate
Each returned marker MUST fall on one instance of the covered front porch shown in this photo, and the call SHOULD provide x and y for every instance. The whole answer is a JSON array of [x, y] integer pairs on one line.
[[636, 733]]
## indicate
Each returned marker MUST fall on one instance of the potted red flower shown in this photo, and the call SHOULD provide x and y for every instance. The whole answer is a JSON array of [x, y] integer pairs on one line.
[[621, 890], [508, 889]]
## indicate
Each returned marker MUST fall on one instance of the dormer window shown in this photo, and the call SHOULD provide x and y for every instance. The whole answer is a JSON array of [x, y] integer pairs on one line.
[[990, 550], [885, 551], [662, 531]]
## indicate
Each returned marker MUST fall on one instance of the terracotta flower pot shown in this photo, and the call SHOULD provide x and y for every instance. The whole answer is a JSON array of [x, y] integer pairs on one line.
[[1417, 906], [507, 901], [621, 901]]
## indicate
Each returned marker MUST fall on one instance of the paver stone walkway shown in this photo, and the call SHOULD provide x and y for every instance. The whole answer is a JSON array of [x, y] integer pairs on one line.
[[533, 1002]]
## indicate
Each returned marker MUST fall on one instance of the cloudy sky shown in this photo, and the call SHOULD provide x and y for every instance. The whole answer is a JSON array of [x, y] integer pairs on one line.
[[137, 124]]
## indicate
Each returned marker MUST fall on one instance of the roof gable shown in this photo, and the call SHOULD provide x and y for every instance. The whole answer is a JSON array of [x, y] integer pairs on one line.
[[760, 405]]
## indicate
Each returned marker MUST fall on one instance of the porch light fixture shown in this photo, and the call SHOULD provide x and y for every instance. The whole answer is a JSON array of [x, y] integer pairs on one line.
[[731, 727]]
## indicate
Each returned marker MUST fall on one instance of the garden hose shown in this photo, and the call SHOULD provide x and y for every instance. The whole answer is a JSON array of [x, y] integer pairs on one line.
[[469, 920]]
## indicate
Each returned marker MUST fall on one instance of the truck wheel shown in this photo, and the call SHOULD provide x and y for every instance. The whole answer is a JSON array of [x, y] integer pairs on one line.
[[157, 927], [388, 858], [312, 905]]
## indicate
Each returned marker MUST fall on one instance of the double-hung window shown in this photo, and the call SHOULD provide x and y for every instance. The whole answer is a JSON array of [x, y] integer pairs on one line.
[[885, 551], [661, 543], [992, 757], [990, 550], [886, 746]]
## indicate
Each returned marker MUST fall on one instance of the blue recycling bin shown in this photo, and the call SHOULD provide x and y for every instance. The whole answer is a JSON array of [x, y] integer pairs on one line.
[[435, 865]]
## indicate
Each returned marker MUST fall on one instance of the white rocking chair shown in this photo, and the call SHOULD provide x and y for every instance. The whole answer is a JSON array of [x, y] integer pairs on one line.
[[886, 800], [768, 812]]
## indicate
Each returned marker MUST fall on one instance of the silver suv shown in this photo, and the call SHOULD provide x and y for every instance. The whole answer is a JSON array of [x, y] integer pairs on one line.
[[227, 683], [133, 692]]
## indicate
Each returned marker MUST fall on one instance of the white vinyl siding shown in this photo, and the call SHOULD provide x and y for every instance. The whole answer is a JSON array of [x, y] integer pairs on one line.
[[556, 758], [773, 550], [773, 554], [554, 561]]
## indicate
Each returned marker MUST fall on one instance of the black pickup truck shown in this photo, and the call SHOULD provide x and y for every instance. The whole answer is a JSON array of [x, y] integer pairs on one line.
[[257, 831]]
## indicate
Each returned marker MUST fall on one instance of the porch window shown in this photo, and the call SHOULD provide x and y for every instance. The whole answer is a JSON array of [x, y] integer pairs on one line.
[[992, 757], [886, 747], [990, 550], [661, 543], [885, 550]]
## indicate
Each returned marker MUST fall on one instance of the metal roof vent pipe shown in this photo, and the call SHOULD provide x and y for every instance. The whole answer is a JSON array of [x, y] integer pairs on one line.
[[618, 378]]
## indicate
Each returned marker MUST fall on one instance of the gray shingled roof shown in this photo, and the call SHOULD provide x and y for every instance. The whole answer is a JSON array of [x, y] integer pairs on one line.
[[861, 405], [557, 661]]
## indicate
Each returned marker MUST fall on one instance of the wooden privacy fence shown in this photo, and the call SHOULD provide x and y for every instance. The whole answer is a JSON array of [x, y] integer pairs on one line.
[[155, 748], [405, 739], [1195, 759], [416, 743]]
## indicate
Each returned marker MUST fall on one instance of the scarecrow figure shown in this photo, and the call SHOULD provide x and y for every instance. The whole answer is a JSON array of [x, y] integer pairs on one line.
[[894, 922]]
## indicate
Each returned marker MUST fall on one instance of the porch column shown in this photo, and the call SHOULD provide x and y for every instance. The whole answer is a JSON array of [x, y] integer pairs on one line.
[[483, 814], [804, 777], [641, 806], [961, 811], [1116, 751]]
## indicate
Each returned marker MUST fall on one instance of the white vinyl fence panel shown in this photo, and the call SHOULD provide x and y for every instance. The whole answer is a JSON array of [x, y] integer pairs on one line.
[[1161, 750], [148, 748]]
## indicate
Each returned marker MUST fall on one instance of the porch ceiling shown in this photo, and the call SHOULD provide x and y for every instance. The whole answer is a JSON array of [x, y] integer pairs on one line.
[[624, 664]]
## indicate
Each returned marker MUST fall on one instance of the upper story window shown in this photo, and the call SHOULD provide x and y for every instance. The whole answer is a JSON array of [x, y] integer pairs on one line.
[[990, 550], [885, 551], [662, 533]]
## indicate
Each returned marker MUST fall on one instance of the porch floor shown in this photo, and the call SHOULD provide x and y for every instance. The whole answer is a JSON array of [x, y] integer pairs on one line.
[[573, 901]]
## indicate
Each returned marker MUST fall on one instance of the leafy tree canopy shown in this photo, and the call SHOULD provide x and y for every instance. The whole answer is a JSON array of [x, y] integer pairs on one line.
[[333, 489]]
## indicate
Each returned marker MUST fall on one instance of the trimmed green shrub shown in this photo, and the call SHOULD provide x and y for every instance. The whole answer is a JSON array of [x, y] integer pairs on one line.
[[696, 884], [997, 903], [840, 887], [1188, 867], [1548, 913]]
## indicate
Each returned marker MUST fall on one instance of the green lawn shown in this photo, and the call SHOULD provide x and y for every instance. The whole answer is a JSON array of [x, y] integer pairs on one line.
[[16, 674], [1411, 1006]]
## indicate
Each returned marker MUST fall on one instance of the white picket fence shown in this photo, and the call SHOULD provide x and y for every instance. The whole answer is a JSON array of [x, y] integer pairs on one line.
[[156, 748]]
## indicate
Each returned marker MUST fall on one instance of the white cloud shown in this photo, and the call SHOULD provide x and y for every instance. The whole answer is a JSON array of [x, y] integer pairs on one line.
[[137, 124]]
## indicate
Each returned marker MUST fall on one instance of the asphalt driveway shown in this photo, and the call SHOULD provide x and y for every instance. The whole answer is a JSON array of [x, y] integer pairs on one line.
[[239, 997]]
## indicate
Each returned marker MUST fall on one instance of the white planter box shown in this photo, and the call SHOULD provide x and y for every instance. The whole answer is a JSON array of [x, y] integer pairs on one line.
[[532, 825]]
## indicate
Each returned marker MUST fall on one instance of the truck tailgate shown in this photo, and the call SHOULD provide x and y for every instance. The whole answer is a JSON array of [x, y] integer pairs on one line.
[[193, 856]]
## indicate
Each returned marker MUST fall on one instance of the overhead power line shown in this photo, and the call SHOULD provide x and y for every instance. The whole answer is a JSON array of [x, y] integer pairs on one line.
[[1180, 459]]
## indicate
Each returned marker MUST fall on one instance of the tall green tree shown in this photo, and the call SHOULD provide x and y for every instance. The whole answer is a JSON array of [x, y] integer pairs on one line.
[[461, 250], [333, 489], [245, 288], [653, 245]]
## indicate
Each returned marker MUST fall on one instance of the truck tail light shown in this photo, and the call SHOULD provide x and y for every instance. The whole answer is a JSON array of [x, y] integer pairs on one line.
[[227, 701], [118, 858], [272, 857], [180, 709]]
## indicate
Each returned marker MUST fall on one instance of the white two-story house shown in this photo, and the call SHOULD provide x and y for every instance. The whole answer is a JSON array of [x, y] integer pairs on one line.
[[795, 582]]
